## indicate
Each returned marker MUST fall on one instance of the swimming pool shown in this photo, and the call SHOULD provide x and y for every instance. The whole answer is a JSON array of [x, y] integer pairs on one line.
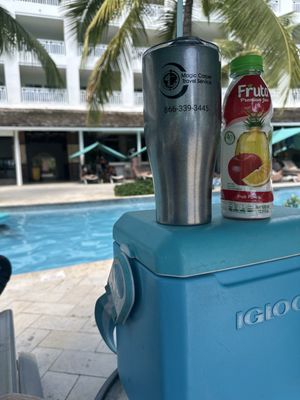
[[37, 238]]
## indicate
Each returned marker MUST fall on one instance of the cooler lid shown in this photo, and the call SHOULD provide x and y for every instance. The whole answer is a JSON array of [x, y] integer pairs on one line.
[[182, 251]]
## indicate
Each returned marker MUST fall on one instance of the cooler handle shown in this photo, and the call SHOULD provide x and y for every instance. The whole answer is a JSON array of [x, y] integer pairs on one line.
[[104, 315], [115, 305]]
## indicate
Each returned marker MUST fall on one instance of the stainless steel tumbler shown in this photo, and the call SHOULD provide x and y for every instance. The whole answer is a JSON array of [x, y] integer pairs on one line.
[[182, 114]]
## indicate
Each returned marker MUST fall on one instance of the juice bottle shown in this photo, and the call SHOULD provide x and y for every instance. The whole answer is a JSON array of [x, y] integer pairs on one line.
[[246, 148]]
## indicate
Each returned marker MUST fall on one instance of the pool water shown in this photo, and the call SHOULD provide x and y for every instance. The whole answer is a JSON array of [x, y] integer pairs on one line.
[[55, 236]]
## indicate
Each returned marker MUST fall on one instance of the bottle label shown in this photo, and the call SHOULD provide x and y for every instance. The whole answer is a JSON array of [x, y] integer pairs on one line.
[[246, 150]]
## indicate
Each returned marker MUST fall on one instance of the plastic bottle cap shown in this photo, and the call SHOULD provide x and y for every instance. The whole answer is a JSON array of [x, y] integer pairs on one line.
[[246, 63]]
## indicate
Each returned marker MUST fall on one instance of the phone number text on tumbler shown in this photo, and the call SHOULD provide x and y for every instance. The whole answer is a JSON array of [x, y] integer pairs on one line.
[[186, 108]]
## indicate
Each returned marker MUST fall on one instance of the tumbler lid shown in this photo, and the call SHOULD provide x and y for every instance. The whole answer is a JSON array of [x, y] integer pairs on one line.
[[248, 62]]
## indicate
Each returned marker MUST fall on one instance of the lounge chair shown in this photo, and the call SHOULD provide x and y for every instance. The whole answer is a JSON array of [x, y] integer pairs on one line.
[[17, 377], [116, 178], [87, 177], [290, 168]]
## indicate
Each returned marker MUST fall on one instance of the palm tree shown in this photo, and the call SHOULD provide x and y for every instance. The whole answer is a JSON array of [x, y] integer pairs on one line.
[[14, 36], [252, 24], [234, 47]]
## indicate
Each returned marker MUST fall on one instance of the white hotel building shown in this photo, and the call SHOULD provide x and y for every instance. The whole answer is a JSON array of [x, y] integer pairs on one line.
[[41, 126]]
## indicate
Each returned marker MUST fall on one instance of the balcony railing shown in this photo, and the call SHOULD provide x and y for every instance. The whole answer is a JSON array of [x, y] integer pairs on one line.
[[296, 6], [28, 57], [94, 52], [115, 98], [44, 95], [138, 98], [153, 10], [82, 96], [53, 46], [45, 2], [3, 94]]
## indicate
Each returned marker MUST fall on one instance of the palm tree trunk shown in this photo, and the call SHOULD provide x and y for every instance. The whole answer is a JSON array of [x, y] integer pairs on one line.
[[187, 21]]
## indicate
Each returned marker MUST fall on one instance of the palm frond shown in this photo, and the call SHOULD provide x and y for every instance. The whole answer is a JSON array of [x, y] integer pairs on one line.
[[168, 30], [14, 36], [225, 75], [256, 26], [229, 48], [287, 19], [208, 6], [108, 10], [116, 56], [80, 14]]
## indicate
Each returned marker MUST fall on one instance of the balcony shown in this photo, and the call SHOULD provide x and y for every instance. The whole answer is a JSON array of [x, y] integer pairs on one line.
[[44, 95], [296, 6], [94, 52], [44, 2], [138, 98], [154, 10], [55, 48], [3, 94], [115, 98], [152, 14]]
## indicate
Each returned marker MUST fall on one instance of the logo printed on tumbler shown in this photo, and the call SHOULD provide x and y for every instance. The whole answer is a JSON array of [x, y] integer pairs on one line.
[[171, 84]]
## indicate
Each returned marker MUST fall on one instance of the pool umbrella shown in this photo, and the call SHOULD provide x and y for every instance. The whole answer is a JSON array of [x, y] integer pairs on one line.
[[84, 151], [107, 150], [136, 153], [284, 133]]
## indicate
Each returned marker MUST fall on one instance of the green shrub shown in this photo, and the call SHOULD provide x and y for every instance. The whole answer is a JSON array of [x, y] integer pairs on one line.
[[137, 188], [293, 201]]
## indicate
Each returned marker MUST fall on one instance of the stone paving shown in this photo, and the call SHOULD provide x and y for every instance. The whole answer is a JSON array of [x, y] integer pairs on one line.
[[54, 319], [53, 193], [67, 192]]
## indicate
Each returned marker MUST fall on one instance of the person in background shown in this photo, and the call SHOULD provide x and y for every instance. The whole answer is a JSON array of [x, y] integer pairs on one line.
[[134, 163], [277, 170]]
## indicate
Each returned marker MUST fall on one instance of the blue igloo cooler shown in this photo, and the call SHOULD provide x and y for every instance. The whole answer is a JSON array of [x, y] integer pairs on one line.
[[208, 312]]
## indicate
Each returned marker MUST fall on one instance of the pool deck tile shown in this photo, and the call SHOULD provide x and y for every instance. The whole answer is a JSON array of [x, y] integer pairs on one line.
[[54, 193], [29, 339], [85, 363], [73, 359], [72, 341], [59, 323], [45, 358], [66, 192], [49, 308], [23, 321], [86, 387], [57, 386]]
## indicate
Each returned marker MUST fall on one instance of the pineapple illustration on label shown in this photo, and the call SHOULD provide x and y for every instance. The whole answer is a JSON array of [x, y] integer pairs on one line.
[[253, 150], [246, 143]]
